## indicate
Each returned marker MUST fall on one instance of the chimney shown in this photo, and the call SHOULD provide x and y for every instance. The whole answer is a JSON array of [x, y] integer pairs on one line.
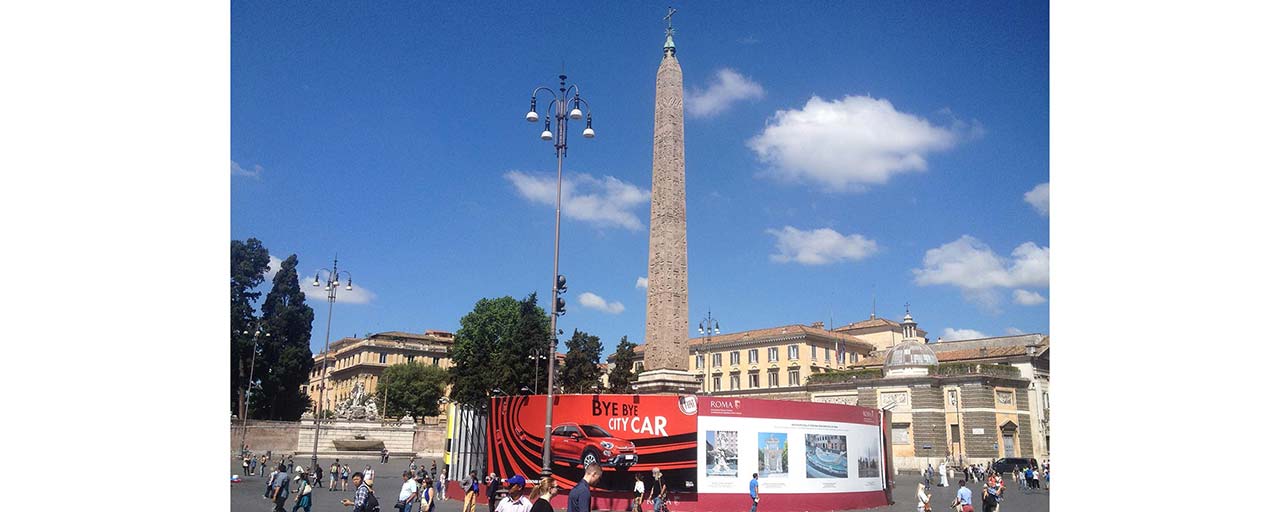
[[818, 325]]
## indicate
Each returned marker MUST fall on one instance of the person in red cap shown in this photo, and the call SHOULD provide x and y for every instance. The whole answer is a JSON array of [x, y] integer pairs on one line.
[[515, 500]]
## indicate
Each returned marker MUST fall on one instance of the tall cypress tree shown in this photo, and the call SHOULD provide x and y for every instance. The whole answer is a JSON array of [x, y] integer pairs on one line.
[[581, 371], [621, 377], [249, 261], [286, 354]]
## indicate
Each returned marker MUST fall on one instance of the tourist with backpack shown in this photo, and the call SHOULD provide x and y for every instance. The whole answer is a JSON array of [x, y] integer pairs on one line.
[[364, 500], [303, 481], [470, 485]]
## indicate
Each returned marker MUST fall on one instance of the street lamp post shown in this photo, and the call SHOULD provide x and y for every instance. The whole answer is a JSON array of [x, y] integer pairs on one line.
[[331, 283], [537, 358], [248, 391], [563, 107], [707, 327]]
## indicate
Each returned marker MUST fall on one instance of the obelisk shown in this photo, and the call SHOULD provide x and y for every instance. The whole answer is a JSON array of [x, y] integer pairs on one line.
[[666, 353]]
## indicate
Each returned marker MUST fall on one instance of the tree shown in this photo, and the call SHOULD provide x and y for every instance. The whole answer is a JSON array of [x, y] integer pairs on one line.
[[491, 348], [581, 371], [411, 388], [286, 354], [624, 358], [249, 262]]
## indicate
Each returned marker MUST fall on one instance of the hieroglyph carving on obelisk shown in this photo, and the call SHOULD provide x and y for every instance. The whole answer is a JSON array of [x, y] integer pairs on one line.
[[667, 309]]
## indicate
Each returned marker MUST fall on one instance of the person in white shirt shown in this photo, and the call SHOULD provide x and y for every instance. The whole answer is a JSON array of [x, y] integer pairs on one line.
[[408, 491], [639, 493], [922, 498], [515, 500]]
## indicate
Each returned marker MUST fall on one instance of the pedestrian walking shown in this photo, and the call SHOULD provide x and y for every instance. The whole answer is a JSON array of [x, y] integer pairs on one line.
[[408, 493], [580, 496], [638, 490], [368, 474], [990, 497], [491, 490], [658, 494], [754, 489], [333, 475], [244, 463], [471, 486], [345, 474], [280, 488], [922, 498], [262, 464], [964, 498], [364, 500], [542, 494], [384, 455], [428, 495], [942, 476], [270, 480], [303, 481], [515, 500], [442, 483]]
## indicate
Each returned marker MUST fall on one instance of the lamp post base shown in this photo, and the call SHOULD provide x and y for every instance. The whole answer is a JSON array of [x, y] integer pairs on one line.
[[663, 381]]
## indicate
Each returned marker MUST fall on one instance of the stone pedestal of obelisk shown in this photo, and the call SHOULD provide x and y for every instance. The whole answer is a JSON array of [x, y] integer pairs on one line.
[[666, 353]]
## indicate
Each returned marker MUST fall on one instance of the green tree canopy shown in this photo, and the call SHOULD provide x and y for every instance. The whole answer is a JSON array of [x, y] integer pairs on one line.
[[581, 371], [411, 388], [286, 354], [624, 358], [249, 261], [491, 348]]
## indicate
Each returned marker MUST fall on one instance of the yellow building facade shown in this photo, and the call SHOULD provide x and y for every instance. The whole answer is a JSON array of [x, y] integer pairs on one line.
[[776, 357], [362, 360]]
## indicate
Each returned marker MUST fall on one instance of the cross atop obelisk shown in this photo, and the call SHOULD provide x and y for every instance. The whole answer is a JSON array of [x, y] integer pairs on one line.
[[666, 355]]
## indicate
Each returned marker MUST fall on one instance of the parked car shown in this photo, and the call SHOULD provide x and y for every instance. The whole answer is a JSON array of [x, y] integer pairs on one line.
[[585, 444], [1011, 464]]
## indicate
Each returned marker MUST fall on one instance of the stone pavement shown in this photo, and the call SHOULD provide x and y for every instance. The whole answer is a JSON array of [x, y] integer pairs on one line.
[[247, 495]]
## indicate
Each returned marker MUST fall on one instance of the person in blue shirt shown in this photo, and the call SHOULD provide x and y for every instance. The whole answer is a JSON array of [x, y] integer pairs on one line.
[[964, 498], [580, 496], [755, 491]]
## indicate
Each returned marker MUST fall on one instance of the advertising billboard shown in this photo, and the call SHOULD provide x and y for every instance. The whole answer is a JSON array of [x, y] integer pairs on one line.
[[625, 434], [795, 447]]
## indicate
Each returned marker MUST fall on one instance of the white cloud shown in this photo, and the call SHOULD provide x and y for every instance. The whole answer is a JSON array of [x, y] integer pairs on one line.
[[592, 301], [608, 202], [850, 143], [642, 282], [972, 266], [950, 334], [357, 294], [1013, 331], [1027, 298], [730, 86], [237, 170], [819, 246], [1038, 198]]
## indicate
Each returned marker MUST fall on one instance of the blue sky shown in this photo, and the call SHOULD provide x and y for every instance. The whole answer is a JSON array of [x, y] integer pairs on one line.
[[834, 152]]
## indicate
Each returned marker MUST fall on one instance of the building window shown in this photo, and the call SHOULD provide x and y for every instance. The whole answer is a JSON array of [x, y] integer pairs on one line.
[[735, 382], [715, 382], [382, 358], [793, 378], [901, 433], [1044, 400], [773, 379], [409, 358], [813, 352], [435, 361], [753, 380], [698, 361], [793, 352], [773, 354], [953, 398], [715, 360], [753, 356], [733, 357]]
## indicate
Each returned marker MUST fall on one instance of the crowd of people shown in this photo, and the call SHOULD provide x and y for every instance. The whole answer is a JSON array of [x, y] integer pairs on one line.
[[993, 487]]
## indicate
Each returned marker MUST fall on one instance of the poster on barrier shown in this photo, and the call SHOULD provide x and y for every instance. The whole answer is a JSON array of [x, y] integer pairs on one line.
[[626, 434], [794, 447]]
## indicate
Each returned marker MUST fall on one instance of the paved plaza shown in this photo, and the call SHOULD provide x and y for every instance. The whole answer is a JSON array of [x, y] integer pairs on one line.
[[246, 496]]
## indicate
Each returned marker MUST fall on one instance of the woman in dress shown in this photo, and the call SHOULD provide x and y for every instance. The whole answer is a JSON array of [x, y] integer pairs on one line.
[[922, 498]]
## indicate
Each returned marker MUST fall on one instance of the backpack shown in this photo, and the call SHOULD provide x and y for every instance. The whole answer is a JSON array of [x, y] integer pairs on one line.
[[371, 501]]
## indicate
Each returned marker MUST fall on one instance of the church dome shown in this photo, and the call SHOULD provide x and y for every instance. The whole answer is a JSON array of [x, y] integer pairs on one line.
[[910, 357]]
